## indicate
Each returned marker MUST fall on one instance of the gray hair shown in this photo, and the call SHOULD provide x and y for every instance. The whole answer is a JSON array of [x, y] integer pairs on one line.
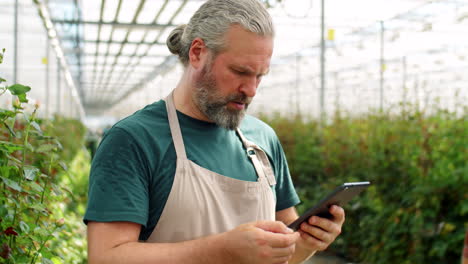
[[213, 19]]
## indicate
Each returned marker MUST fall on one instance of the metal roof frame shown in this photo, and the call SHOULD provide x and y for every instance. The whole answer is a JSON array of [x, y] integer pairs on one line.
[[97, 83], [112, 60]]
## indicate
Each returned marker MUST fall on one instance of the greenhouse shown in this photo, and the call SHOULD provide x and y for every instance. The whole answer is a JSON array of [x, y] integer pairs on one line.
[[355, 91]]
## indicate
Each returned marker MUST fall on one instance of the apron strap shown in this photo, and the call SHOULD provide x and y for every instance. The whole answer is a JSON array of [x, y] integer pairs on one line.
[[255, 153], [259, 159], [175, 127]]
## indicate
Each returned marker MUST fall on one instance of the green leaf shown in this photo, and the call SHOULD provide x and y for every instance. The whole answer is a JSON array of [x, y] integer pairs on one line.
[[30, 173], [60, 147], [19, 89], [46, 148], [39, 208], [29, 146], [4, 113], [42, 137], [36, 187], [22, 257], [47, 261], [15, 161], [3, 211], [66, 189], [56, 260], [36, 126], [22, 98], [26, 116], [12, 184], [41, 232], [464, 209], [9, 129], [10, 147], [24, 227], [63, 165], [1, 79], [57, 189]]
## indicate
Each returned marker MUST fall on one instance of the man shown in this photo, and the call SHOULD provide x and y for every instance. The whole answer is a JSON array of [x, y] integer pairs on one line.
[[192, 179]]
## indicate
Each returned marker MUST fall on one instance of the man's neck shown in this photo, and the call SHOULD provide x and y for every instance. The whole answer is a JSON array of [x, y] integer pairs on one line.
[[183, 100]]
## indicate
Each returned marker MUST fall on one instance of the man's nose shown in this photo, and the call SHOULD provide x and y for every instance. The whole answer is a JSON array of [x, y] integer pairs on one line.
[[249, 86]]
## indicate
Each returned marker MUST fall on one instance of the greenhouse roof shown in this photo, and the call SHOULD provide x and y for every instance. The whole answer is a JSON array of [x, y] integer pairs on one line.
[[115, 48]]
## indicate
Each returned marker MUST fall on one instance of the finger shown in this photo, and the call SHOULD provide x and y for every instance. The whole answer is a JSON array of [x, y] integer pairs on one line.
[[283, 252], [318, 233], [338, 214], [313, 242], [281, 240], [273, 226], [326, 224], [281, 260]]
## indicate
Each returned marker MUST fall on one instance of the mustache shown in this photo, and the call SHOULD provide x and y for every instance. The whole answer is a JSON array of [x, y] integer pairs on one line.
[[240, 98]]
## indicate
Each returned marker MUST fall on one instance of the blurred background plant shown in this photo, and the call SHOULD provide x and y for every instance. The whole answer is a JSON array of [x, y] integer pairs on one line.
[[416, 210]]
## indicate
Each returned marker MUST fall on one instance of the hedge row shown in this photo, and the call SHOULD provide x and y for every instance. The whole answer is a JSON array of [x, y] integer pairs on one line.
[[416, 210]]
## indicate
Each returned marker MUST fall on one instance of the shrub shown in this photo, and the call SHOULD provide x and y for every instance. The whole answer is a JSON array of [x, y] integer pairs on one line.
[[32, 164], [416, 210]]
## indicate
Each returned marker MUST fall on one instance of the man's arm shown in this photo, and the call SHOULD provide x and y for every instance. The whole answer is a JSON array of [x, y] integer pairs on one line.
[[258, 242], [117, 242], [316, 234]]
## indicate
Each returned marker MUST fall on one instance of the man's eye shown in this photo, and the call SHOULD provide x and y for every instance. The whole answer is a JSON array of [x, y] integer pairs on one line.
[[238, 72]]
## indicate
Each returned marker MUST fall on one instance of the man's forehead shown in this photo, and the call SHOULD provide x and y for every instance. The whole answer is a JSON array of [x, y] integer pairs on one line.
[[249, 69], [245, 51]]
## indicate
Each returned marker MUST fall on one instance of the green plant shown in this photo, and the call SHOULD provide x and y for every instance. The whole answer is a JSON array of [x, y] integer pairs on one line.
[[71, 244], [416, 211], [32, 165]]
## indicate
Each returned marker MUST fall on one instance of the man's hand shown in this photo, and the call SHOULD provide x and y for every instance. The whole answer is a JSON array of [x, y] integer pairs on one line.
[[318, 233], [264, 242]]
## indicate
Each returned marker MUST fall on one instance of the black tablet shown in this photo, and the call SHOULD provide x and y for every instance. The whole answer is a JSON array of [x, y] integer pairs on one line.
[[340, 196]]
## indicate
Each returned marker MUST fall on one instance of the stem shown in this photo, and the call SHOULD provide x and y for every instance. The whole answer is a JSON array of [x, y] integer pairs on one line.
[[46, 182], [42, 201], [45, 187], [16, 206], [23, 161], [42, 246]]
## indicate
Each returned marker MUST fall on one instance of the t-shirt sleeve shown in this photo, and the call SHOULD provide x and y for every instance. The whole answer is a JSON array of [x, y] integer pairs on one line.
[[118, 181], [286, 195]]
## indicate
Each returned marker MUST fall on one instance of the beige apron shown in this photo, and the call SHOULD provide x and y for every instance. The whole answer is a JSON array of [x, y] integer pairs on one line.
[[202, 202]]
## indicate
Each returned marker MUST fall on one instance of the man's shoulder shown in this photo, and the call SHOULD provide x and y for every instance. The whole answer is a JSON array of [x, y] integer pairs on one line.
[[145, 132], [151, 117], [257, 130], [144, 127], [253, 123]]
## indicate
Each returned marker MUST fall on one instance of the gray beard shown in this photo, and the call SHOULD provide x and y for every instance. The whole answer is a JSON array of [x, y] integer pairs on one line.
[[214, 106]]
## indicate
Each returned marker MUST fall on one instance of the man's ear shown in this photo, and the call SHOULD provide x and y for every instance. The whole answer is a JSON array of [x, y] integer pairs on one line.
[[197, 53]]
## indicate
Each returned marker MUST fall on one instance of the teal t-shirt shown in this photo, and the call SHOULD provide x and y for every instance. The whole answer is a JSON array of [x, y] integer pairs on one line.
[[133, 169]]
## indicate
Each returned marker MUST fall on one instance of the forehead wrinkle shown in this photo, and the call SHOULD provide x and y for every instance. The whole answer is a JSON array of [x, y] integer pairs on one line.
[[249, 69]]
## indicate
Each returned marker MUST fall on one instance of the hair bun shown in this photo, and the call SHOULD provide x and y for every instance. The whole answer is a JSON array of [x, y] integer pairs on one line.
[[174, 40]]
